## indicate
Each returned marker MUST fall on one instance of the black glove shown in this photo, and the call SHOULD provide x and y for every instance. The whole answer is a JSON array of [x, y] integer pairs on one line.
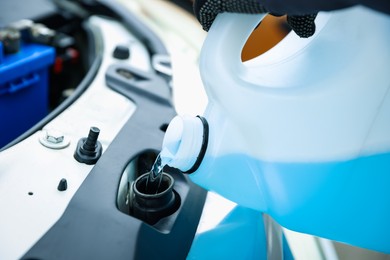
[[207, 10], [300, 13]]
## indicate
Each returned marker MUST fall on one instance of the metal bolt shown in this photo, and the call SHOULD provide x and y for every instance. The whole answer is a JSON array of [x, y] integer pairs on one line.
[[54, 137]]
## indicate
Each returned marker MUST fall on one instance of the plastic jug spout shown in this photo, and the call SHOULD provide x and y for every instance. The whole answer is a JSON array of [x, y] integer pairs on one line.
[[185, 143]]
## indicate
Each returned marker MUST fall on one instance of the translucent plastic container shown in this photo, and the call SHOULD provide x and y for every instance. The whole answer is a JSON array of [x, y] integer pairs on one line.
[[301, 132]]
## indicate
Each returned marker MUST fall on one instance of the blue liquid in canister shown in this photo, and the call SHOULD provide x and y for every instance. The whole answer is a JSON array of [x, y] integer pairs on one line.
[[331, 199]]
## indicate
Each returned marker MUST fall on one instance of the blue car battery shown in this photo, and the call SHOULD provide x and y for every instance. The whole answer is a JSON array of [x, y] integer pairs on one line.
[[23, 88]]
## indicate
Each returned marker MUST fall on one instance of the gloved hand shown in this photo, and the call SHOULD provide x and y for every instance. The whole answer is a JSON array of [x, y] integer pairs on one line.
[[300, 13], [207, 10]]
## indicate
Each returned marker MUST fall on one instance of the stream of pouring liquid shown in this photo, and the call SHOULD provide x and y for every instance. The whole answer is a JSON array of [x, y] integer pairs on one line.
[[155, 176]]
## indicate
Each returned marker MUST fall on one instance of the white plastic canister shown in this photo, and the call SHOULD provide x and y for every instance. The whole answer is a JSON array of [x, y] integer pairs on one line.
[[301, 132]]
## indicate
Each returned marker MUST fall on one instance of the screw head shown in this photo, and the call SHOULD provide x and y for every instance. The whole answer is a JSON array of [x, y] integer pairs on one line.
[[53, 136], [53, 139]]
